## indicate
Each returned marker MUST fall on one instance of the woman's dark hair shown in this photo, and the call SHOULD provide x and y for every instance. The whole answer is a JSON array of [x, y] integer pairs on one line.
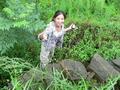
[[58, 12]]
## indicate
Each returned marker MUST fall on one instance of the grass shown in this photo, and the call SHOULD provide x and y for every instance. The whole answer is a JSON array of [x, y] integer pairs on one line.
[[102, 13]]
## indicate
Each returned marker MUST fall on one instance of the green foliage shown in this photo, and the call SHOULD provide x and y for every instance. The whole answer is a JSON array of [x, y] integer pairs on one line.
[[20, 14], [83, 51], [13, 65], [78, 9], [90, 38], [27, 15], [110, 84], [7, 40], [59, 82], [21, 20], [101, 15], [11, 68], [110, 50], [10, 38], [18, 20], [2, 4]]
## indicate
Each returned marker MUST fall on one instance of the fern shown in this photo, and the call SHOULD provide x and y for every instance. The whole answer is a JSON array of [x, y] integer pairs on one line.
[[18, 21], [22, 15], [14, 36]]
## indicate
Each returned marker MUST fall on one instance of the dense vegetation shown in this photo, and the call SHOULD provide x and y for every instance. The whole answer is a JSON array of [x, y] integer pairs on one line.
[[22, 20]]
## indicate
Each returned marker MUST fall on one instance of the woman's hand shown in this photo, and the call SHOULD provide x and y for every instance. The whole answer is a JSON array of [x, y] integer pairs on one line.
[[72, 26], [42, 36], [45, 36]]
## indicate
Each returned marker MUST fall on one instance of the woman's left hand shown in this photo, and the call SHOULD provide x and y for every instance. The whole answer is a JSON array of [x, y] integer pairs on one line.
[[72, 26]]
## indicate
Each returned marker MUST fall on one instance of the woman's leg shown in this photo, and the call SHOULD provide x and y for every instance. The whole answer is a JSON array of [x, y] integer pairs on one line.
[[44, 56], [51, 54]]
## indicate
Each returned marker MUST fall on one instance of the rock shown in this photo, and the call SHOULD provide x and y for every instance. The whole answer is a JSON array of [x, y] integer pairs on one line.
[[73, 70], [102, 68], [90, 75], [116, 64], [34, 77], [34, 74]]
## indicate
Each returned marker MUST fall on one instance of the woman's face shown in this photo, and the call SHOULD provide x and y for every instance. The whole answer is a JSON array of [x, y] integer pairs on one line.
[[59, 20]]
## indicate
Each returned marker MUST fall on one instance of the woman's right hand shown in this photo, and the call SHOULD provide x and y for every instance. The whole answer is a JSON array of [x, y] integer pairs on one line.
[[45, 36], [42, 36]]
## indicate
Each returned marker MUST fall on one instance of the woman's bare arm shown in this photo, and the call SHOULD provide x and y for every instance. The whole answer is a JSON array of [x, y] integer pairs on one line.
[[72, 26]]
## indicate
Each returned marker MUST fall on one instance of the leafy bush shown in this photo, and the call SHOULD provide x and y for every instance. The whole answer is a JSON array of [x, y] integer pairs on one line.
[[11, 68]]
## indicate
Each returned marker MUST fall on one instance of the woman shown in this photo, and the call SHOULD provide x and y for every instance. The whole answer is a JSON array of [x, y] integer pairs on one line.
[[52, 36]]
